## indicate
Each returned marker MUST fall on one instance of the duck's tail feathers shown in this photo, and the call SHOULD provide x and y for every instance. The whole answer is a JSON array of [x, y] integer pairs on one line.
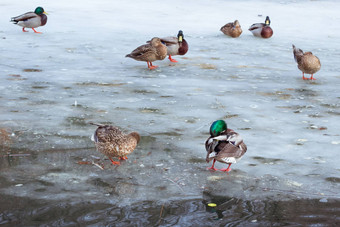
[[13, 20]]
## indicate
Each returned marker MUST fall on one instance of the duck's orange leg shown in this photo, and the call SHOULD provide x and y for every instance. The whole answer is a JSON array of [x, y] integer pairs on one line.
[[35, 31], [212, 167], [312, 78], [114, 163], [303, 76], [171, 59], [123, 158], [226, 169], [23, 29], [150, 66]]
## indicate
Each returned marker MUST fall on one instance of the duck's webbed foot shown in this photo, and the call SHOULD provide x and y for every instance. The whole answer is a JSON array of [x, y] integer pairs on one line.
[[212, 167], [226, 169], [115, 162], [171, 59], [150, 66]]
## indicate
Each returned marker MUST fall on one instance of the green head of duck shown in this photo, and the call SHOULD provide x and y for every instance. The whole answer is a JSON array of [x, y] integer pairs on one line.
[[267, 21], [217, 127], [39, 10], [180, 36]]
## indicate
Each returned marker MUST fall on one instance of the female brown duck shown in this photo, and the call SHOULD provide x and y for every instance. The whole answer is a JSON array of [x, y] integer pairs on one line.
[[307, 62], [112, 142], [232, 29], [150, 52]]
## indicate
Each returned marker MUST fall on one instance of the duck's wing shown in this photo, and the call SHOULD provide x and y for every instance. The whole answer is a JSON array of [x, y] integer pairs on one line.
[[210, 145], [227, 26], [234, 138], [256, 26], [231, 151], [141, 50], [107, 133], [24, 17], [169, 40], [165, 40]]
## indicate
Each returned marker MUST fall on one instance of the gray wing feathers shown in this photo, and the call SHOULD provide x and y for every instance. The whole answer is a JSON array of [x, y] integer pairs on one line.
[[24, 16]]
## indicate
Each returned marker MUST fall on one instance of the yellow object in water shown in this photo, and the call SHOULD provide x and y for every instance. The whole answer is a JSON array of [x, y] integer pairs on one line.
[[212, 204]]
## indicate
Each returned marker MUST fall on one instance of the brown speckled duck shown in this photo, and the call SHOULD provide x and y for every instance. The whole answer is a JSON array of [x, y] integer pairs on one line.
[[232, 29], [262, 30], [150, 52], [307, 62], [31, 19], [176, 45], [224, 145], [112, 142]]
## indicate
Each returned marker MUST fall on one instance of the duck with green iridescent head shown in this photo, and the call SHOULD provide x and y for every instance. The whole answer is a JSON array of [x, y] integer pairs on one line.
[[31, 19], [262, 30], [176, 45], [224, 145]]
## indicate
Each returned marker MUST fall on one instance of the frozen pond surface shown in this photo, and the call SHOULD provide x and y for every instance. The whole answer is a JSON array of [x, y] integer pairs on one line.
[[53, 84]]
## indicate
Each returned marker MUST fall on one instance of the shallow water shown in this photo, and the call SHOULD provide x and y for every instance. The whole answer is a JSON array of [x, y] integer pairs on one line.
[[53, 84]]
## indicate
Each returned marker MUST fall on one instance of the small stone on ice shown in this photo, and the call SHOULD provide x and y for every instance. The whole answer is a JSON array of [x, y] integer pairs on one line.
[[214, 178], [302, 140], [95, 157], [323, 200]]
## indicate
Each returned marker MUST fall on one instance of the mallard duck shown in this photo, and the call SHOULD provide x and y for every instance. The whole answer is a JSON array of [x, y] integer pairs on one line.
[[31, 19], [112, 142], [262, 29], [232, 29], [224, 145], [307, 62], [176, 45], [150, 52]]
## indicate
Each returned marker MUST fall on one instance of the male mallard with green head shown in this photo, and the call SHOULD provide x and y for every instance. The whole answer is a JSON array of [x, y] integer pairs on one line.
[[224, 145], [113, 143], [307, 62], [262, 29], [149, 52], [176, 45], [232, 29], [31, 19]]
